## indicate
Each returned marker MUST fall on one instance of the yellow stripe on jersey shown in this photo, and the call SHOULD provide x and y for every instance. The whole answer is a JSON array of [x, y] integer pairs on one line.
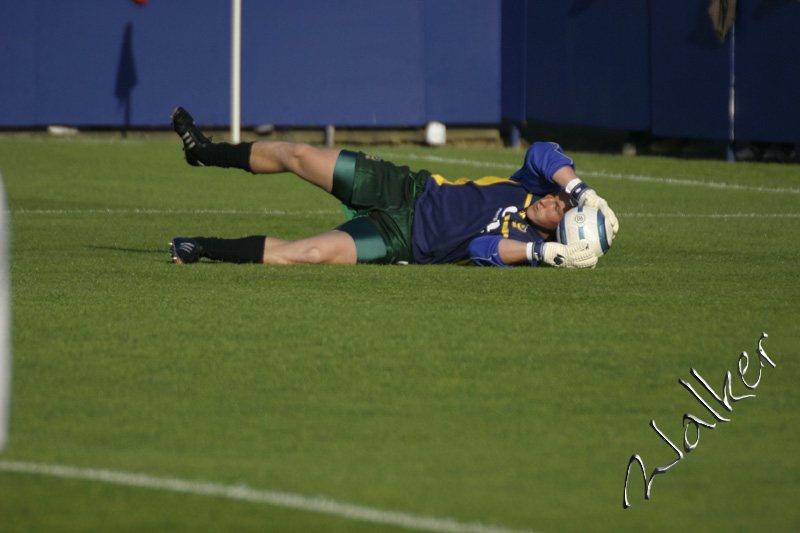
[[488, 180]]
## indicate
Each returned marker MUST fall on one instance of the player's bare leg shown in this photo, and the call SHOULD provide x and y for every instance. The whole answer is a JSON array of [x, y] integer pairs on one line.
[[314, 165], [333, 247]]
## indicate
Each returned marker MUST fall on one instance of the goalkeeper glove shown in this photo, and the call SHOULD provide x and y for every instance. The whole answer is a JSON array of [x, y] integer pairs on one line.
[[581, 194], [576, 255]]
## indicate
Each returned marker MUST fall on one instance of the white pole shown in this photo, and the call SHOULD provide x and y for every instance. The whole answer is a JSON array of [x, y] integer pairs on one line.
[[236, 70], [5, 324]]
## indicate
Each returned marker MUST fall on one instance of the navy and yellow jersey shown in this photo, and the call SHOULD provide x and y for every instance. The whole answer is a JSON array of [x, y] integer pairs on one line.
[[542, 160], [448, 216], [484, 250]]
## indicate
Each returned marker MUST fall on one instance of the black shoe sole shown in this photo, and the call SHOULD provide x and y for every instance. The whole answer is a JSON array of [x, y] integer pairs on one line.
[[190, 134]]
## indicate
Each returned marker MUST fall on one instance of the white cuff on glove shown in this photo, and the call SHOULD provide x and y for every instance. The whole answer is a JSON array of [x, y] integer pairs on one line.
[[577, 255], [581, 194]]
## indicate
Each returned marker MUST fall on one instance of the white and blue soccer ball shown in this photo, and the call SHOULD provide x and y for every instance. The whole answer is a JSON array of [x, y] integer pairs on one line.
[[586, 223]]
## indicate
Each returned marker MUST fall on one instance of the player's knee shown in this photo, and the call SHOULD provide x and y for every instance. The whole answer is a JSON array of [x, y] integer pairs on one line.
[[313, 255], [294, 157], [301, 152]]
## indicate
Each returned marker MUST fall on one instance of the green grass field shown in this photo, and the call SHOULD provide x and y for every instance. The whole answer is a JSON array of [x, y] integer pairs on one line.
[[380, 398]]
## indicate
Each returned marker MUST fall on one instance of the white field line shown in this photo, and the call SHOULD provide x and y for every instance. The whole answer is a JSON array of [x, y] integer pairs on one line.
[[317, 504], [604, 174], [710, 215], [320, 212], [165, 212]]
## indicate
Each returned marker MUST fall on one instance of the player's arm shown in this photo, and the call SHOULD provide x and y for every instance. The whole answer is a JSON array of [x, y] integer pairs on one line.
[[500, 251], [542, 161], [486, 251]]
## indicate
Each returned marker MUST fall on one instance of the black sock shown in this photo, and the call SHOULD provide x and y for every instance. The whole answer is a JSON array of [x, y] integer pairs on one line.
[[244, 250], [227, 155]]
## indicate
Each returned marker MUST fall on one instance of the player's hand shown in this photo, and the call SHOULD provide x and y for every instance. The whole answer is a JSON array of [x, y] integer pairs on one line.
[[576, 255], [591, 199]]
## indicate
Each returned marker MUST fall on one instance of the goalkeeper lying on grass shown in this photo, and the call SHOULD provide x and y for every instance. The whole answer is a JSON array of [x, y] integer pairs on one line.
[[399, 216]]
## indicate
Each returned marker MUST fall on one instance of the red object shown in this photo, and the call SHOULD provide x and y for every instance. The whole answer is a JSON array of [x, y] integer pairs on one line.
[[140, 2]]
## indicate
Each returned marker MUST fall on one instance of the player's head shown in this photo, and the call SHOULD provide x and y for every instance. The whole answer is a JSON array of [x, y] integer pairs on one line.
[[546, 212]]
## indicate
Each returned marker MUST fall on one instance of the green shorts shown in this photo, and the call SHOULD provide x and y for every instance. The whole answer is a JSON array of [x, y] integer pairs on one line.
[[378, 197]]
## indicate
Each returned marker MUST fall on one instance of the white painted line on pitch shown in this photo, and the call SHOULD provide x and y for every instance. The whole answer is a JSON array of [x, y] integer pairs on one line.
[[244, 493], [693, 183], [711, 215], [336, 212], [604, 174], [437, 159], [164, 212]]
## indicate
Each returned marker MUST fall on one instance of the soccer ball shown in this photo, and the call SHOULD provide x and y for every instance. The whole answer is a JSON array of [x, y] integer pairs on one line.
[[586, 223]]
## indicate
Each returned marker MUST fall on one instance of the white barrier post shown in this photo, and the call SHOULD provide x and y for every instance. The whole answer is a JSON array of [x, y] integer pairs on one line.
[[236, 70]]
